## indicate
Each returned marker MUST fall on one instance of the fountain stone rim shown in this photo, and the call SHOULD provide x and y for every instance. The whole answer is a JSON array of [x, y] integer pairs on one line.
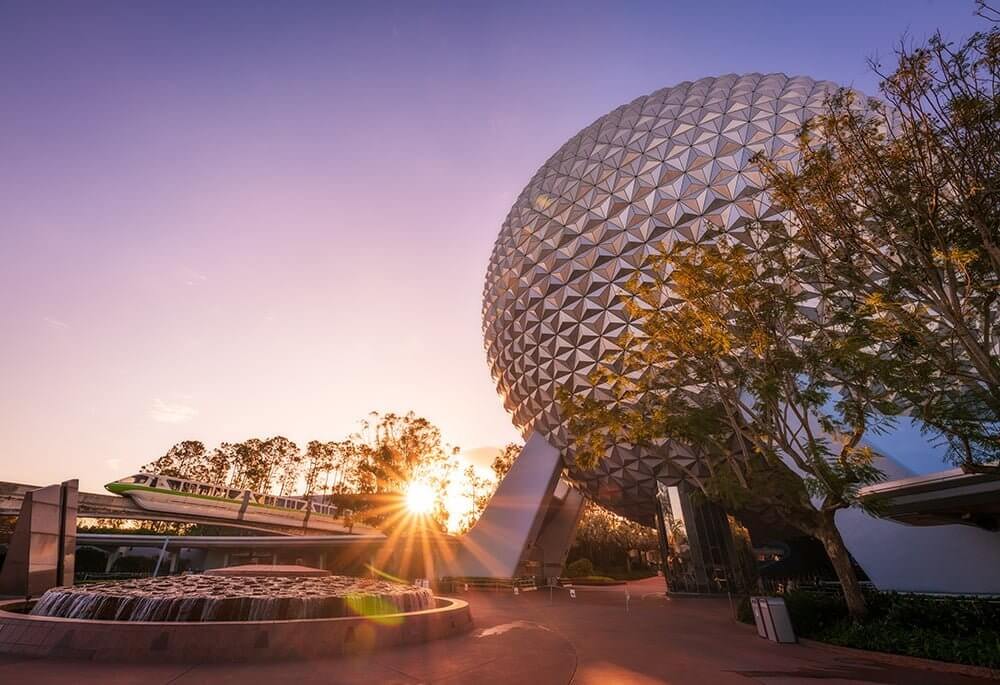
[[104, 640], [8, 608]]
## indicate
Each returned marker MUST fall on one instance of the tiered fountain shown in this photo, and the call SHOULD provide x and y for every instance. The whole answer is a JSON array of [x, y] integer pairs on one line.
[[229, 616], [232, 598]]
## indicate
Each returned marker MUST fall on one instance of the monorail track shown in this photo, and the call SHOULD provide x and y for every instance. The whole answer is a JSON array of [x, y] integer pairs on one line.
[[93, 505]]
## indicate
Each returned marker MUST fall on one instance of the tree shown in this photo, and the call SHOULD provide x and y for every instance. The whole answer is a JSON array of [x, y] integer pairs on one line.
[[250, 467], [896, 207], [503, 461], [284, 462], [477, 490], [398, 449], [607, 539], [317, 460], [186, 459], [349, 473], [222, 464], [735, 362]]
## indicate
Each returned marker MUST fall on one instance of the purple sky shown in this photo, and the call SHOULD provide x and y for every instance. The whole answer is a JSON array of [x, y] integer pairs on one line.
[[223, 220]]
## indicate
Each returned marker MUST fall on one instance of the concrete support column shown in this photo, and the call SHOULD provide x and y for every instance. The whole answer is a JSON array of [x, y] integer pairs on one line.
[[497, 545], [42, 550]]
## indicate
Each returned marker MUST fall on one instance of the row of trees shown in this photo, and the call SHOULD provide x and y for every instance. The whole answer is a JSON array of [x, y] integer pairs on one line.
[[608, 540], [385, 454], [387, 451], [878, 297]]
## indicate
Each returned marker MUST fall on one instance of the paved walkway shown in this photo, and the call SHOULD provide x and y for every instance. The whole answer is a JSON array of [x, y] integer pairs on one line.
[[527, 639]]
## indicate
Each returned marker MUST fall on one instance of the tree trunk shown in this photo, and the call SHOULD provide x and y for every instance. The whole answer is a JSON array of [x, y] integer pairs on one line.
[[841, 560]]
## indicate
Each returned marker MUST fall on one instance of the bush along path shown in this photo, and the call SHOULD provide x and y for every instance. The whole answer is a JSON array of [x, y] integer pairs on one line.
[[958, 630]]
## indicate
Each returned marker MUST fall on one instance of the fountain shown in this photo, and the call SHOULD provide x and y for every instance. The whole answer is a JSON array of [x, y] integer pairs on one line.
[[232, 598], [230, 615]]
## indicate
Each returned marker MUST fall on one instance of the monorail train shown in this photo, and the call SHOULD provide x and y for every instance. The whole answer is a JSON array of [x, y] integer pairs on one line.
[[179, 496]]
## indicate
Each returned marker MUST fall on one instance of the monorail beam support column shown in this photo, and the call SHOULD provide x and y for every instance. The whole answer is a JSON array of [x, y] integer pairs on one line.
[[42, 551]]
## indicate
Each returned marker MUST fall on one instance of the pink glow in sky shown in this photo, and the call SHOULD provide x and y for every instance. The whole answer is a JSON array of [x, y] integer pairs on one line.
[[224, 220]]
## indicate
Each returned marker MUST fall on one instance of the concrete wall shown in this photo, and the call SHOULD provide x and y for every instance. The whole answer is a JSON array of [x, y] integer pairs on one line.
[[556, 535]]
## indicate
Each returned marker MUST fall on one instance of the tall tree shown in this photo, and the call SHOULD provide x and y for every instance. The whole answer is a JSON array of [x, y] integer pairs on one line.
[[477, 491], [186, 459], [503, 461], [251, 470], [772, 395], [318, 461], [222, 463], [607, 539], [284, 463], [399, 448], [896, 210]]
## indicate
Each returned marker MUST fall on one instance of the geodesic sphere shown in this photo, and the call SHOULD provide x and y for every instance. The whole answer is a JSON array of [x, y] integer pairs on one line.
[[671, 166]]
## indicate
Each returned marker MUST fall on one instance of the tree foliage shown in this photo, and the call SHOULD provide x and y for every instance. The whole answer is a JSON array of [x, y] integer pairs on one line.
[[397, 449], [607, 539], [878, 295], [736, 364], [503, 461], [896, 211], [362, 472]]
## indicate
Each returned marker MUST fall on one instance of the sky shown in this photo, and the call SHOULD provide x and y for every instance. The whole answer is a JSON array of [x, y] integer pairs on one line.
[[222, 220]]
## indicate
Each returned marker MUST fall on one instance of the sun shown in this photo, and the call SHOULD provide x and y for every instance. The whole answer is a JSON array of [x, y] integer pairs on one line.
[[419, 498]]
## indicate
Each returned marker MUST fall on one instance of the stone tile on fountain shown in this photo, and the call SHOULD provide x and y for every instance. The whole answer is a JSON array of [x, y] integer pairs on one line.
[[14, 633], [36, 634]]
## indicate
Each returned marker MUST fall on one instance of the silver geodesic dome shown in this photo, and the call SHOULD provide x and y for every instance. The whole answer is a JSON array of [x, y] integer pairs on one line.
[[670, 166]]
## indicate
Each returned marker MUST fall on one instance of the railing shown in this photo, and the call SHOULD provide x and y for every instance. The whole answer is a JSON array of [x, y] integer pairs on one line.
[[458, 584]]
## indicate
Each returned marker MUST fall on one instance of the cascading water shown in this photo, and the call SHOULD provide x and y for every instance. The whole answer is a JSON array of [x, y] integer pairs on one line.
[[232, 598]]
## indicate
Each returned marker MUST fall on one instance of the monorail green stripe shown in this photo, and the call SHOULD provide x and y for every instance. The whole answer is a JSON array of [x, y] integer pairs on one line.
[[122, 488]]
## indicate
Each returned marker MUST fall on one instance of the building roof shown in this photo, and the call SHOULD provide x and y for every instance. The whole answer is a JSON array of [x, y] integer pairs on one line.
[[941, 498]]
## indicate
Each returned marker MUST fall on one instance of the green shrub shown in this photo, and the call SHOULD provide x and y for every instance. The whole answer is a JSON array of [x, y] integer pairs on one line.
[[814, 612], [744, 614], [580, 568], [596, 580], [954, 629]]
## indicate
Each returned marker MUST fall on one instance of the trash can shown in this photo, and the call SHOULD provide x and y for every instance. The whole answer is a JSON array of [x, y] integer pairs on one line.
[[772, 620], [757, 620]]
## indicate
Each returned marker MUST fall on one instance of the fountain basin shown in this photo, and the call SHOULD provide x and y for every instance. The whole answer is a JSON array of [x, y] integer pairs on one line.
[[232, 598], [221, 641]]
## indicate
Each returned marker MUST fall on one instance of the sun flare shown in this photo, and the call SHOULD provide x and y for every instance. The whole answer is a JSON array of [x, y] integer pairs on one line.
[[419, 498]]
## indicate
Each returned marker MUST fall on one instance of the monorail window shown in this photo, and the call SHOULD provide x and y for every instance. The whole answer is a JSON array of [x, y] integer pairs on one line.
[[173, 484], [235, 494], [139, 480]]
